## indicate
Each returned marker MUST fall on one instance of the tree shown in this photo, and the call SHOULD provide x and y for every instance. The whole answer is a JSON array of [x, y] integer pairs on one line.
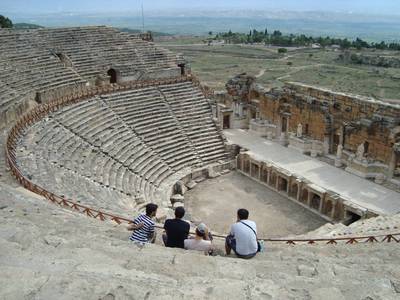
[[210, 33], [345, 44], [5, 22], [277, 33]]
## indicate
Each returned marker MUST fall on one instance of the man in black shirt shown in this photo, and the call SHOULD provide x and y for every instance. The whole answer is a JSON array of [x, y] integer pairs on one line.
[[176, 230]]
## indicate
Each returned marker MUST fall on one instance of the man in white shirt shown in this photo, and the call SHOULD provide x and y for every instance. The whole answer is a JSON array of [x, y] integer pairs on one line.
[[242, 238]]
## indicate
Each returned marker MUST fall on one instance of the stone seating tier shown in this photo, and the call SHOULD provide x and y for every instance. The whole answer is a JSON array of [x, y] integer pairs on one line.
[[114, 142], [59, 254], [42, 60]]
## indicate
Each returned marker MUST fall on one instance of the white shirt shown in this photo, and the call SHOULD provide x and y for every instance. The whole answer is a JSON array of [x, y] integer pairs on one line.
[[246, 241], [199, 245]]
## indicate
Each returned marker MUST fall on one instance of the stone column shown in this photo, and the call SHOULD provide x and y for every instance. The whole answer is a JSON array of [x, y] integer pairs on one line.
[[287, 124], [279, 127], [308, 198], [334, 203], [298, 190], [240, 110], [326, 145], [341, 135], [289, 181], [321, 202], [392, 164]]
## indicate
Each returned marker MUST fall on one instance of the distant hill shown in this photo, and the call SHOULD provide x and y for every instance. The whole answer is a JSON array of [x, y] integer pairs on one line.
[[26, 26], [154, 33]]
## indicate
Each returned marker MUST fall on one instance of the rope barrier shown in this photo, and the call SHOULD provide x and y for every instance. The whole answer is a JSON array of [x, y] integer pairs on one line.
[[41, 111]]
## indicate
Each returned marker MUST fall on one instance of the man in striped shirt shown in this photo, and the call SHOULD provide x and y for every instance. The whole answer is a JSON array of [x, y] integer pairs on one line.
[[143, 226]]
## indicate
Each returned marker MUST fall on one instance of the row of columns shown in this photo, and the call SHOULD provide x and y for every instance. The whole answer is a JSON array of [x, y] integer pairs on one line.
[[329, 205]]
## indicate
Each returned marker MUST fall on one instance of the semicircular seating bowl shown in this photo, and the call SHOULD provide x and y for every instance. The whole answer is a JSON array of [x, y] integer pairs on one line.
[[115, 150]]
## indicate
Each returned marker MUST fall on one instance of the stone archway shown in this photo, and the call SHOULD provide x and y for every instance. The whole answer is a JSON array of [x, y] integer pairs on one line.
[[328, 207], [304, 196], [113, 75], [315, 202]]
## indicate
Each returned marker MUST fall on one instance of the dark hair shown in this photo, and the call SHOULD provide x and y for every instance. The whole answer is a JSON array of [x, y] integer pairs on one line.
[[150, 208], [179, 212], [243, 214], [199, 233]]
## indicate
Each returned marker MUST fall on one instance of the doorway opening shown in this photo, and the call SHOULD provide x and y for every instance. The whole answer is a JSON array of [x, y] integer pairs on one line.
[[226, 122], [113, 75], [350, 217]]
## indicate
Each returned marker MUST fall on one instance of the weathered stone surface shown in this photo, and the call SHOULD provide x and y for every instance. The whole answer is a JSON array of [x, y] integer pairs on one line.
[[191, 184], [307, 271], [177, 198], [212, 173], [52, 253]]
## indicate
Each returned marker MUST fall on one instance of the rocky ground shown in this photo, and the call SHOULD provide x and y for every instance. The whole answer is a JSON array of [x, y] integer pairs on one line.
[[51, 253]]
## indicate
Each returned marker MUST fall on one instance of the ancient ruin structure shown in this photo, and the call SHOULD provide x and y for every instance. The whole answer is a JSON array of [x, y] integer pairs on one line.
[[357, 133], [364, 132], [98, 123], [38, 65], [121, 121]]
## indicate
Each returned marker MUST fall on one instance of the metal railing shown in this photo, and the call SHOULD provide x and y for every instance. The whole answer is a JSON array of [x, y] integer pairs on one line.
[[41, 111]]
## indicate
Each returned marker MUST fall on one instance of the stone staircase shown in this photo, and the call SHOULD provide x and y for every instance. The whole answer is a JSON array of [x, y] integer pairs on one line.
[[48, 252]]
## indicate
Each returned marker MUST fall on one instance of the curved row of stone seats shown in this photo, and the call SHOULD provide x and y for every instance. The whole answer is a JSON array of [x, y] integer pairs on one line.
[[38, 61], [56, 148], [95, 123], [95, 48], [60, 147], [130, 142], [7, 96], [26, 69], [71, 184], [52, 253], [146, 112], [194, 114]]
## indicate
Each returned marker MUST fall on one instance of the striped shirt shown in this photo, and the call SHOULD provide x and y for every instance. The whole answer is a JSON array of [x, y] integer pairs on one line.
[[144, 233]]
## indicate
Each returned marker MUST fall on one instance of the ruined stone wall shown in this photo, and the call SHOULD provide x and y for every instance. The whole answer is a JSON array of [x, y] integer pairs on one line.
[[328, 117], [380, 147], [367, 120]]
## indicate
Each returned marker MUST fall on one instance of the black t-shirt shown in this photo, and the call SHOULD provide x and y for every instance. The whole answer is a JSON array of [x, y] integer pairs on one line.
[[177, 231]]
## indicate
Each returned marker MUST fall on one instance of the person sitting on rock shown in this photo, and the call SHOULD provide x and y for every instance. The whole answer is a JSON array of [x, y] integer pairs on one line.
[[176, 230], [200, 241], [242, 238], [143, 226]]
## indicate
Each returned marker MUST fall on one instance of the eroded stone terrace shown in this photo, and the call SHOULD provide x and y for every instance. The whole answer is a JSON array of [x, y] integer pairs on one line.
[[38, 65], [111, 150]]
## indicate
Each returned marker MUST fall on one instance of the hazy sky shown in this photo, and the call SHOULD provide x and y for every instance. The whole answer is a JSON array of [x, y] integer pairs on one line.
[[356, 6]]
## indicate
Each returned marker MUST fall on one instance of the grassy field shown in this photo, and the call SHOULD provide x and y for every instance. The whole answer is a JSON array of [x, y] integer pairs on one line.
[[215, 64]]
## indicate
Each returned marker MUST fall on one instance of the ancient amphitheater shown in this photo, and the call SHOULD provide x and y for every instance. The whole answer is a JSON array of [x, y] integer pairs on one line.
[[95, 123]]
